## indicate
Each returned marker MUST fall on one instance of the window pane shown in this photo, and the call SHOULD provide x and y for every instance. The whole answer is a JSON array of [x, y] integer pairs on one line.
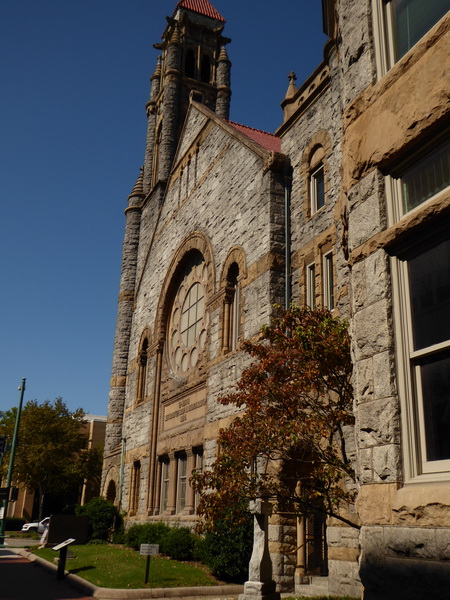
[[412, 19], [318, 189], [311, 286], [429, 275], [426, 177], [435, 375], [328, 282]]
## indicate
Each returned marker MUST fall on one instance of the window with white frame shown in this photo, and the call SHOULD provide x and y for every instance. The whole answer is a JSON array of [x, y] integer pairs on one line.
[[317, 183], [165, 481], [420, 179], [423, 330], [328, 280], [181, 481], [400, 25], [311, 285]]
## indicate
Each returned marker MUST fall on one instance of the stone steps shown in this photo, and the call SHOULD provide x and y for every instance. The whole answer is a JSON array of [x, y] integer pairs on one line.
[[318, 586]]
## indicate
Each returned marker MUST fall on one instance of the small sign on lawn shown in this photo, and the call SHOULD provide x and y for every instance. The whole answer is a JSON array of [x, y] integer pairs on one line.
[[149, 549]]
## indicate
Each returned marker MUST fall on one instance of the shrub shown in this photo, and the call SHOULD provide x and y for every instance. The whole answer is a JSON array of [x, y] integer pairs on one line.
[[14, 523], [226, 548], [179, 543], [145, 533], [103, 518]]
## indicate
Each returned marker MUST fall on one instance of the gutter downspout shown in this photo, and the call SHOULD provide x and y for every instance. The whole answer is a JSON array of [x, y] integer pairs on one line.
[[122, 457]]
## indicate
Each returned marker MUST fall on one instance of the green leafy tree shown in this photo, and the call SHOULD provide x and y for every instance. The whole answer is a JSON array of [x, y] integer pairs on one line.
[[51, 454], [289, 444], [103, 516]]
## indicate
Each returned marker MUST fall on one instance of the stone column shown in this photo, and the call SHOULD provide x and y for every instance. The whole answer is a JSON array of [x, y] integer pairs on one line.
[[223, 85], [300, 569], [260, 585], [173, 474], [152, 490], [190, 494]]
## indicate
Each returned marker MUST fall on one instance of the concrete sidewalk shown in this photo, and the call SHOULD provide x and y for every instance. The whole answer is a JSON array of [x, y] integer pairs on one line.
[[21, 579], [24, 580]]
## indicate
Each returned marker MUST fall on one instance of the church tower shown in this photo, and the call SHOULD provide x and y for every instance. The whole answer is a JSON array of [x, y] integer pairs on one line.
[[193, 64]]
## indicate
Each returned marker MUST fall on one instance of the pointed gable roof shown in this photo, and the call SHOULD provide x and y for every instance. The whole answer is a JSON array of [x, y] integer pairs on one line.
[[264, 139], [203, 7]]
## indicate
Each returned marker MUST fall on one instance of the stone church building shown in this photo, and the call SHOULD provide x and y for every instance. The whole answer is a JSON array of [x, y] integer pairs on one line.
[[346, 205]]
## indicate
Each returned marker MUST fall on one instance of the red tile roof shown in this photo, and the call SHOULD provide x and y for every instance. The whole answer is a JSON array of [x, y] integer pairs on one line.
[[204, 7], [264, 139]]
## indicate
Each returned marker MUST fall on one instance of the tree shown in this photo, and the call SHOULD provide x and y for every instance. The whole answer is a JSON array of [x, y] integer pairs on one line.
[[289, 445], [52, 455]]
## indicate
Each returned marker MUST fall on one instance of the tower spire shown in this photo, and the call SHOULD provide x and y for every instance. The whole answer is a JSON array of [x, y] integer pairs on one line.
[[194, 64]]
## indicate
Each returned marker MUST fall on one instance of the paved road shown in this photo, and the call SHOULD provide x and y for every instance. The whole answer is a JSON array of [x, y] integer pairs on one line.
[[20, 579]]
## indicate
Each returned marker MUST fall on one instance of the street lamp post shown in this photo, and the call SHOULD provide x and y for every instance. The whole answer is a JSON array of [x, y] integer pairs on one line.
[[4, 507]]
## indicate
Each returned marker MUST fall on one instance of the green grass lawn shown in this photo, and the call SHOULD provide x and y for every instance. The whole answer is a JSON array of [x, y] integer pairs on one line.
[[117, 567]]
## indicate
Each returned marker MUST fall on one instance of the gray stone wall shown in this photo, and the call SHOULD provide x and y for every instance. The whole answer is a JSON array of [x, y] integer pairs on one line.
[[218, 188]]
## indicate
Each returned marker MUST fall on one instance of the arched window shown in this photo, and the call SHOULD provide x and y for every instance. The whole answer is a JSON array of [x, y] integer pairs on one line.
[[315, 172], [188, 319], [205, 70], [111, 491], [317, 180], [142, 371], [189, 63], [232, 304]]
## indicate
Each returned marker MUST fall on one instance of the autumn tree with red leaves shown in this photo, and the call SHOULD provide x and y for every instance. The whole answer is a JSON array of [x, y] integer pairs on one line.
[[289, 444]]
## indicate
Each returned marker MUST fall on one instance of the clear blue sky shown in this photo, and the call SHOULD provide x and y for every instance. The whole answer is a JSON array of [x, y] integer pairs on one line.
[[74, 82]]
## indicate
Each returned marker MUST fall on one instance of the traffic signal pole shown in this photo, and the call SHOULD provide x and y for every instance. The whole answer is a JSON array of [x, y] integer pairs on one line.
[[4, 504]]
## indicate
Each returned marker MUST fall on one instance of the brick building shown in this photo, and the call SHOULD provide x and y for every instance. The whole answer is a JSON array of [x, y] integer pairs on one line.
[[346, 205]]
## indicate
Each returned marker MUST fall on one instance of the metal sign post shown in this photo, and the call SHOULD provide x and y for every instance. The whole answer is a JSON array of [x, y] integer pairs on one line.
[[62, 548], [148, 550], [4, 512]]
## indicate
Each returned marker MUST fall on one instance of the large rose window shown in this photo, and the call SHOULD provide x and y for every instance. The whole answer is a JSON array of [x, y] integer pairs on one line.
[[188, 320]]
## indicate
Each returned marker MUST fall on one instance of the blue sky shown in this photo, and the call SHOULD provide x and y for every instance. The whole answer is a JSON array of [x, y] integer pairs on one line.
[[74, 82]]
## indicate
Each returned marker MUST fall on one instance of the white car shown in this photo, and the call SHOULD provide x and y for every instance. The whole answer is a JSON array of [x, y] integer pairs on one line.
[[36, 526]]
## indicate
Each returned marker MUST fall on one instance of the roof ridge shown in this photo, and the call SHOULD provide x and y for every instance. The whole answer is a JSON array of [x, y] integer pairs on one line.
[[203, 7], [252, 128]]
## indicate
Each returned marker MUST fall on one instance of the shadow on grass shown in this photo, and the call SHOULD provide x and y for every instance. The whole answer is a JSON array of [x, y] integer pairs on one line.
[[80, 569]]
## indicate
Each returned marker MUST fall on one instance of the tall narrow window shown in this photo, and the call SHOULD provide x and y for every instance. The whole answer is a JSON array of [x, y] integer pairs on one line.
[[165, 469], [142, 371], [231, 324], [328, 281], [181, 483], [317, 183], [135, 486], [205, 69], [425, 284], [189, 63], [311, 285]]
